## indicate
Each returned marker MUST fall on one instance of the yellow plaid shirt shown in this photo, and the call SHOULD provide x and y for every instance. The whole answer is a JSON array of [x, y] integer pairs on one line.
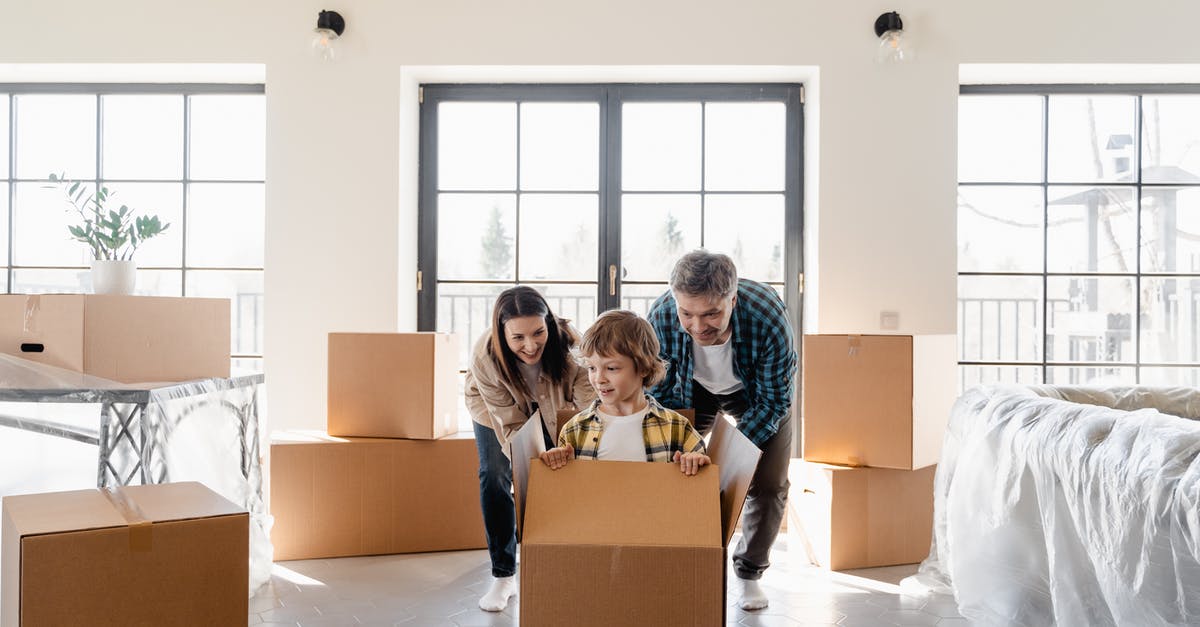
[[663, 432]]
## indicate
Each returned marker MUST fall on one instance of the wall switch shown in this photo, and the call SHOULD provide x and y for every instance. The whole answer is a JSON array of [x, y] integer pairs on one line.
[[889, 320]]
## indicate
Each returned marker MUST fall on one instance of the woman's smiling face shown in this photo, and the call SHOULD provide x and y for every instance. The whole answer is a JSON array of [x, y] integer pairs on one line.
[[526, 337]]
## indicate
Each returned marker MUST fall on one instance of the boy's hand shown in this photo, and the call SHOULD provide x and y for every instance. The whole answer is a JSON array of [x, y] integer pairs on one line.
[[690, 463], [557, 457]]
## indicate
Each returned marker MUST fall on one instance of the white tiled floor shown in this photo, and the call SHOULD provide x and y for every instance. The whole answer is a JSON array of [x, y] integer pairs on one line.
[[441, 589]]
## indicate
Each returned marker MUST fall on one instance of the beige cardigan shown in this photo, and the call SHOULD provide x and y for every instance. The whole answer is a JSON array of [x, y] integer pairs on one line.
[[495, 403]]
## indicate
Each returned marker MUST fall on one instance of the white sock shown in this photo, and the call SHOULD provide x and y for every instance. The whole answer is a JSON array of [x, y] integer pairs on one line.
[[497, 596], [753, 597]]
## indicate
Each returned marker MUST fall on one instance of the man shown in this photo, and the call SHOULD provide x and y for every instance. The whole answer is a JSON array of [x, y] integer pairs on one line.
[[729, 349]]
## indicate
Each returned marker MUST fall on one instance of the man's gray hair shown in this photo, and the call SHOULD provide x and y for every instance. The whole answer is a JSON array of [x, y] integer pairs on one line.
[[701, 273]]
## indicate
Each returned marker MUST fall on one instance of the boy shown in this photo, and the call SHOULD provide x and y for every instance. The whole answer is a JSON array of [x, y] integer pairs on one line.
[[624, 423]]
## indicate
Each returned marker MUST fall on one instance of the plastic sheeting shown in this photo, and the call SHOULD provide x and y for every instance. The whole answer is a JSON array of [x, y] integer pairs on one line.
[[206, 430], [1069, 506]]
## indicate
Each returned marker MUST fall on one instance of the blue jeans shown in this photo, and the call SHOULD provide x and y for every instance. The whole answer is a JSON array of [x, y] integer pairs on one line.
[[496, 499]]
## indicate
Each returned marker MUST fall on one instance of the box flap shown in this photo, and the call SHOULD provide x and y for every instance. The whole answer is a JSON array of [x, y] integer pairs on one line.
[[737, 458], [179, 501], [622, 503], [525, 445], [55, 512]]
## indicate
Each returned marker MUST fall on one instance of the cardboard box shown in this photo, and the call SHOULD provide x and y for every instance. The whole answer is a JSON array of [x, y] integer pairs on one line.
[[336, 497], [167, 554], [393, 385], [877, 400], [628, 543], [846, 517], [131, 339]]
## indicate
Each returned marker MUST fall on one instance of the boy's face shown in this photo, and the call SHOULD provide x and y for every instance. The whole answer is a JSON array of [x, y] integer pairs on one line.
[[615, 379]]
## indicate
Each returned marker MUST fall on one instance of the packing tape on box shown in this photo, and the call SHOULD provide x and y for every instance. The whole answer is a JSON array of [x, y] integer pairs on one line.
[[33, 304], [141, 530], [855, 343]]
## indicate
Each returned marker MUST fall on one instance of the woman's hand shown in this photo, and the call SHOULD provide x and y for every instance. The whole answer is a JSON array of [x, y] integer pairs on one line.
[[557, 457], [690, 463]]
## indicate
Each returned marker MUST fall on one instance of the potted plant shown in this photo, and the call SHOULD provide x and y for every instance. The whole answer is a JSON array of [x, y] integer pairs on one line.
[[112, 235]]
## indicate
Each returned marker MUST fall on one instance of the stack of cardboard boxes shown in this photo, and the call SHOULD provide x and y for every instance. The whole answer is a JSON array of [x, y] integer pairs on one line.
[[391, 474], [875, 409]]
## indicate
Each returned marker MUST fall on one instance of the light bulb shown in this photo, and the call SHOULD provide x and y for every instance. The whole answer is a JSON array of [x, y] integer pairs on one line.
[[324, 44], [893, 47]]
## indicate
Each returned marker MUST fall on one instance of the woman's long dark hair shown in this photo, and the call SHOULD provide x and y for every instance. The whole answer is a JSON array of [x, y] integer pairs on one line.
[[518, 302]]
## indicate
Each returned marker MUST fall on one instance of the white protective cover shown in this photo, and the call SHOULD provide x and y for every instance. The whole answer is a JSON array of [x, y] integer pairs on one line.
[[1069, 506], [204, 430]]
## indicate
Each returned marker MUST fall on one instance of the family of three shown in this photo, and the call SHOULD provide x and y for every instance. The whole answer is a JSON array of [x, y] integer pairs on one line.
[[712, 342]]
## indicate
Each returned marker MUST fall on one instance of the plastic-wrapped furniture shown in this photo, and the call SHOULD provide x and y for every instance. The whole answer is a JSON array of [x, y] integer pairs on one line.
[[1070, 506], [205, 430]]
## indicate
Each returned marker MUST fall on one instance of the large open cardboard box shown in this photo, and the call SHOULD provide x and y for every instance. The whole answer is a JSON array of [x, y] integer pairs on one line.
[[166, 554], [846, 517], [628, 543], [877, 400], [131, 339], [393, 385], [337, 497]]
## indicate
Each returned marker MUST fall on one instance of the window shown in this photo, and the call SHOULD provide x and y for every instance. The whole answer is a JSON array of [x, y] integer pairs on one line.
[[192, 154], [1079, 235], [590, 192]]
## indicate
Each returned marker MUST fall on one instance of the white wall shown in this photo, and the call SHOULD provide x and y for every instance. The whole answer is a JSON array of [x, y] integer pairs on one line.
[[341, 152]]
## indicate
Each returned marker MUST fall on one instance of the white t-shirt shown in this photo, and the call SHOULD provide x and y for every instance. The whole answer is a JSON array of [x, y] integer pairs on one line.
[[622, 439], [713, 368]]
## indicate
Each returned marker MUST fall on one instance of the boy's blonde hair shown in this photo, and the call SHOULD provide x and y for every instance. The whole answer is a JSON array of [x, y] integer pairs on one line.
[[622, 332]]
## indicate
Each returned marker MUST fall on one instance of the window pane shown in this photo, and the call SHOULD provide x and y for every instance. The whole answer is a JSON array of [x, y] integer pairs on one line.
[[1090, 319], [4, 135], [159, 283], [575, 302], [1092, 229], [640, 297], [245, 365], [143, 137], [476, 236], [3, 223], [225, 225], [655, 230], [245, 293], [750, 230], [466, 309], [1091, 138], [660, 146], [1170, 132], [1185, 377], [1090, 376], [560, 146], [228, 136], [164, 200], [1170, 320], [744, 146], [558, 237], [1000, 318], [1170, 229], [477, 145], [56, 134], [41, 214], [1000, 139], [51, 282], [971, 376], [999, 229]]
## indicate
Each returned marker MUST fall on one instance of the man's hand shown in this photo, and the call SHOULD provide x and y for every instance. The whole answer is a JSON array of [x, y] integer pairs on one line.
[[690, 463], [557, 457]]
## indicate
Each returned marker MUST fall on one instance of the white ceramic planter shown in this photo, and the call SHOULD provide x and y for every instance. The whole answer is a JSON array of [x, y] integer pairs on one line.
[[113, 276]]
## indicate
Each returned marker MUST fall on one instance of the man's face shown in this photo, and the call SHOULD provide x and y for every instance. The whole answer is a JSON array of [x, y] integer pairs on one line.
[[706, 318]]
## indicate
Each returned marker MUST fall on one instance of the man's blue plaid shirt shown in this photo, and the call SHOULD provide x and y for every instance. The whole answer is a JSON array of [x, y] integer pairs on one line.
[[764, 357]]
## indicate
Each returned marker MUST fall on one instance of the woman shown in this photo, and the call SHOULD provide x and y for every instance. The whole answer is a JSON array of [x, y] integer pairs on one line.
[[520, 369]]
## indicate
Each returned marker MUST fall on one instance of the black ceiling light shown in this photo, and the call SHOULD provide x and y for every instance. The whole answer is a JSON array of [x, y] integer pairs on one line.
[[330, 27]]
